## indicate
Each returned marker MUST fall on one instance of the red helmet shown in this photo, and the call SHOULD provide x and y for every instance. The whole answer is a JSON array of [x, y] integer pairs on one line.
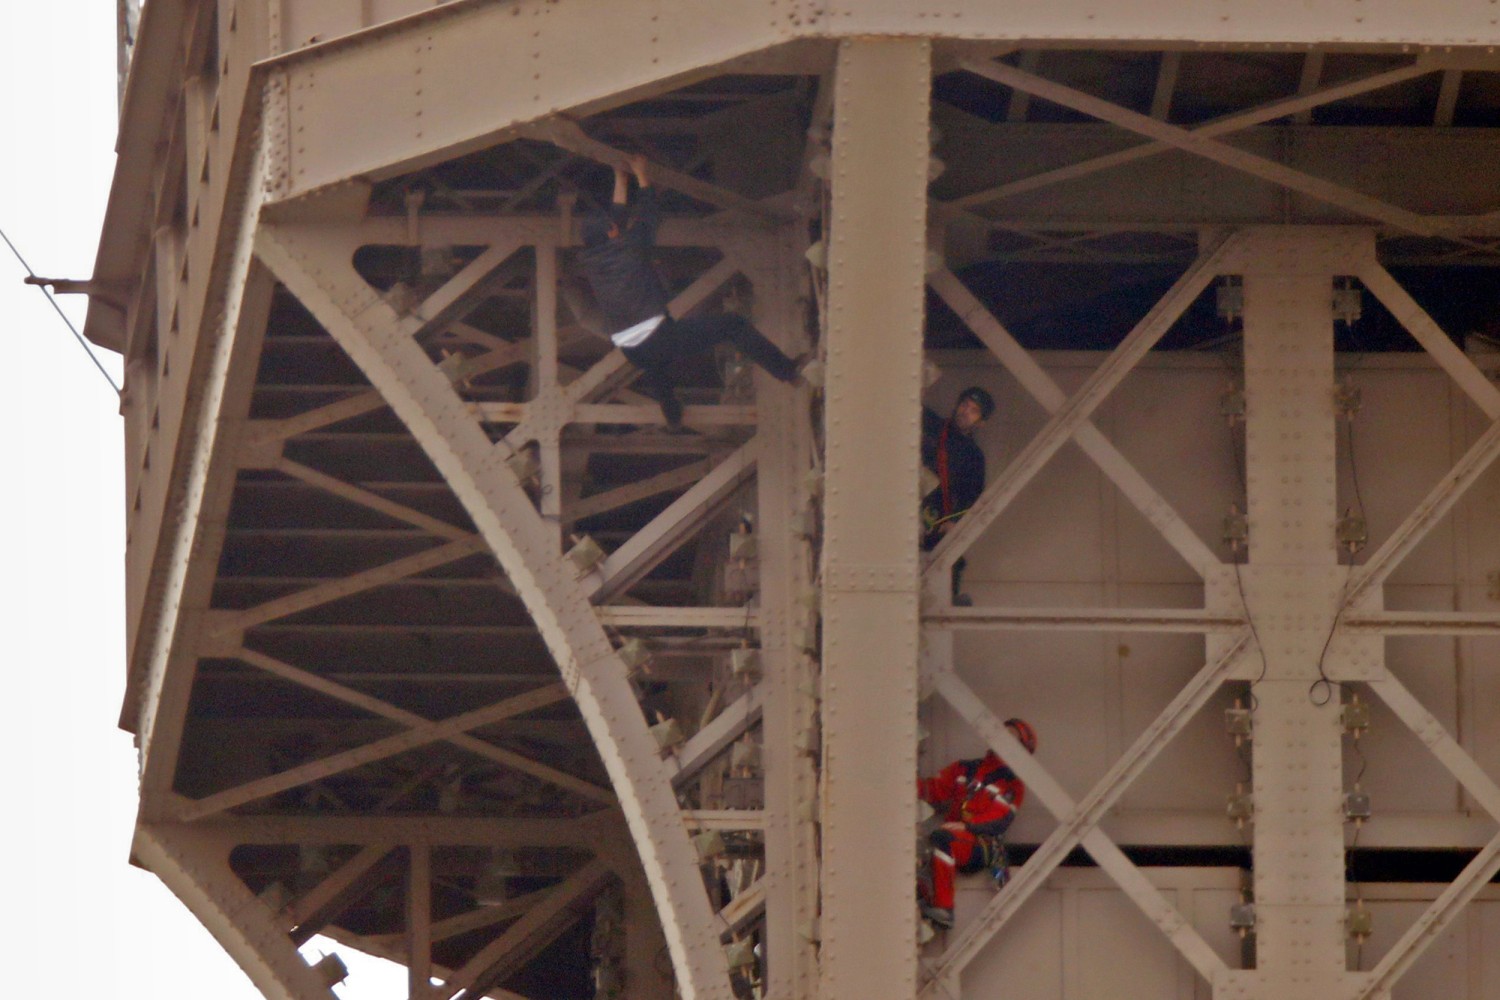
[[1021, 730]]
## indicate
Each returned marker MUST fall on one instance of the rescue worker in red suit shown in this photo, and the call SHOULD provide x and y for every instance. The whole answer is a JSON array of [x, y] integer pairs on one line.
[[978, 799], [951, 455]]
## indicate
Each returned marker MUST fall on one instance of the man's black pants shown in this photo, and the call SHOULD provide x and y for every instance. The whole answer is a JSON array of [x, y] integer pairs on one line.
[[681, 338]]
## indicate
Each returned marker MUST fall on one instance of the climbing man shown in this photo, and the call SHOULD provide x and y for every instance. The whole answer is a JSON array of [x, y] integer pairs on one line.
[[616, 259], [978, 799], [950, 454]]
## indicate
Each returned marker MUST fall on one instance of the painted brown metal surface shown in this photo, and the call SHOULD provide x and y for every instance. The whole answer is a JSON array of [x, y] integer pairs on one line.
[[375, 428]]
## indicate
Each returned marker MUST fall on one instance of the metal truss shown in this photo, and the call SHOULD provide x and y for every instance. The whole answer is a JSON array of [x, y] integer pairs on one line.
[[314, 264], [850, 626], [877, 245], [1070, 416], [1078, 822], [1351, 660], [195, 866]]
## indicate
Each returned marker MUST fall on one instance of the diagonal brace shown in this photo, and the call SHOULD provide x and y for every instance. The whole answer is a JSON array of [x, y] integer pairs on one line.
[[1229, 156], [1078, 822], [729, 725], [465, 741], [671, 527], [1432, 338], [370, 752], [334, 590], [1476, 874], [1067, 418], [1045, 391], [1220, 126], [322, 905], [613, 370], [1469, 468], [534, 923]]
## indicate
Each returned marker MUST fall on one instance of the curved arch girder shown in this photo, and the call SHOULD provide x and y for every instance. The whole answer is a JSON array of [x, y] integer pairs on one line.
[[195, 865], [315, 264]]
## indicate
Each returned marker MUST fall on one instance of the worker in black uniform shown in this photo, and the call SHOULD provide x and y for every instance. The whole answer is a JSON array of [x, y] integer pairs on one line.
[[950, 454], [616, 259]]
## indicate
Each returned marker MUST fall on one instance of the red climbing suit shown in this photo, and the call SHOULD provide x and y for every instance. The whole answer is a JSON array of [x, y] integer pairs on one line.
[[979, 799]]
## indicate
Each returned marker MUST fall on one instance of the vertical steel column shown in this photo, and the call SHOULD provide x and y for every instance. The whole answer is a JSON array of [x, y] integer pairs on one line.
[[419, 921], [789, 716], [1293, 585], [548, 390], [870, 606]]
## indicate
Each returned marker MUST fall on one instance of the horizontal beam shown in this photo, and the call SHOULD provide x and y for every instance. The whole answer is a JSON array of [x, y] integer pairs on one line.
[[622, 413], [648, 616], [724, 819], [429, 831], [1424, 623], [583, 57], [567, 134], [1190, 620], [577, 56]]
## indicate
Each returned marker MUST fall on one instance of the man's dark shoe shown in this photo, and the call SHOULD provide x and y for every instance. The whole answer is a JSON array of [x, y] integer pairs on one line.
[[671, 408]]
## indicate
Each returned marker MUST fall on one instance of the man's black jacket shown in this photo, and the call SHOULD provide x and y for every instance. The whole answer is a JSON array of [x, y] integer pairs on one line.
[[619, 270], [965, 469]]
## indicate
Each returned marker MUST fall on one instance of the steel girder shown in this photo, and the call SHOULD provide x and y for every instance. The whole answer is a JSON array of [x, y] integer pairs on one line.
[[788, 690], [1071, 416], [1078, 822], [1077, 432], [194, 864], [1225, 125], [158, 693], [1292, 585], [1291, 271], [877, 249], [581, 58], [315, 264]]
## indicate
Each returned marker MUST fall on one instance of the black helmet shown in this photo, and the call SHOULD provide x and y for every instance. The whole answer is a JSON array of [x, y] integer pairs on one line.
[[981, 398]]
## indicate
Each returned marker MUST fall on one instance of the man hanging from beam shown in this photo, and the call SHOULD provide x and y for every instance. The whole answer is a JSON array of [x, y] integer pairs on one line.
[[616, 259]]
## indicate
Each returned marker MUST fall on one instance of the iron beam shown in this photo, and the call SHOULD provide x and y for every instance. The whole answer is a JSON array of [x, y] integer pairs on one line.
[[1071, 415], [195, 866], [876, 256], [314, 263]]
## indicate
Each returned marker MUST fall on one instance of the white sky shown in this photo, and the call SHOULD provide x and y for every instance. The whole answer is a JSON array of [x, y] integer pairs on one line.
[[78, 920]]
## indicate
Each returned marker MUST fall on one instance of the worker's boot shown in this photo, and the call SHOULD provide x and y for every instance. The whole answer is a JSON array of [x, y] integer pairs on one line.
[[960, 599], [938, 916]]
